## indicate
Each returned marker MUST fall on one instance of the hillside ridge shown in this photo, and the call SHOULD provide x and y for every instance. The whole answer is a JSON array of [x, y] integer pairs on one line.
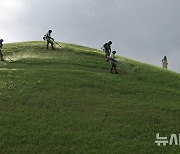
[[67, 101]]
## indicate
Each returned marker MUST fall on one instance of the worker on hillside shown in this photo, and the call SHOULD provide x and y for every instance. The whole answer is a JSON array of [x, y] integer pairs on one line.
[[107, 49], [1, 46], [113, 62], [164, 62], [49, 39]]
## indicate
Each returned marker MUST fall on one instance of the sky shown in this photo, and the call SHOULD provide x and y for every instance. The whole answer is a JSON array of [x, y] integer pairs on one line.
[[143, 30]]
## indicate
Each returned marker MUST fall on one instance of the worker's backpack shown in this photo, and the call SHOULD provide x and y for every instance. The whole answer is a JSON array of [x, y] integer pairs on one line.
[[105, 45]]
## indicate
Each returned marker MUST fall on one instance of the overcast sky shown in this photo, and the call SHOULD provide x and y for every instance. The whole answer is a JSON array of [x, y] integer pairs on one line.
[[144, 30]]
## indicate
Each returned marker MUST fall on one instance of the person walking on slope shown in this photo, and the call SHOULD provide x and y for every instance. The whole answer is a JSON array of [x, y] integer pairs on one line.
[[107, 49], [1, 45], [49, 39], [113, 62], [164, 62]]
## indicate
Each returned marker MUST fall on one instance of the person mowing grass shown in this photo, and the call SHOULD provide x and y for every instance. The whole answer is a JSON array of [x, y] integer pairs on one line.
[[49, 39], [1, 46], [107, 49], [164, 62], [113, 62]]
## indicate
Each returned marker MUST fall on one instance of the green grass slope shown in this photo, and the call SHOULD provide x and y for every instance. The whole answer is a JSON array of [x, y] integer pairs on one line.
[[66, 101]]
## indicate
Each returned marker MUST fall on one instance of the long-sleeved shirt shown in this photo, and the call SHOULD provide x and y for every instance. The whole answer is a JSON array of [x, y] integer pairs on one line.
[[48, 35], [107, 47], [112, 57]]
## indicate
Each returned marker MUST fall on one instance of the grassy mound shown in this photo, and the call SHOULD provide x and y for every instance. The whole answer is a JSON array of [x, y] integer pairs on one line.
[[66, 101]]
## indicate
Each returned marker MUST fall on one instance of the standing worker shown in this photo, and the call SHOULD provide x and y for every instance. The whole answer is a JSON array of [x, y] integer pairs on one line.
[[1, 46], [113, 62], [49, 39], [164, 62], [107, 49]]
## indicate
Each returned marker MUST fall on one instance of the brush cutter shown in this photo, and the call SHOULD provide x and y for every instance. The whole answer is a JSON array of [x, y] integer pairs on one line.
[[122, 67], [8, 57], [57, 44]]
